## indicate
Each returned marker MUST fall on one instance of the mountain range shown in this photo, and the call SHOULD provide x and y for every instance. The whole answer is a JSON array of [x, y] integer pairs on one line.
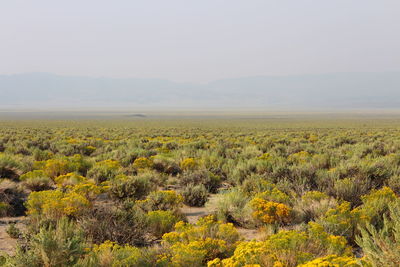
[[334, 91]]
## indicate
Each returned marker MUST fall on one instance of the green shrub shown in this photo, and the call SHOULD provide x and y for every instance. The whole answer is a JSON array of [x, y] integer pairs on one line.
[[36, 180], [10, 167], [195, 195], [61, 245], [104, 170], [204, 177], [38, 184], [166, 165], [233, 206], [394, 183], [112, 254], [312, 205], [351, 189], [123, 226], [131, 187], [381, 247], [40, 155], [161, 222], [4, 209], [256, 184]]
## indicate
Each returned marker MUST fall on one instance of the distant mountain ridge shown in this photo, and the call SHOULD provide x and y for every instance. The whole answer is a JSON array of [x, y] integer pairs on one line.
[[336, 90]]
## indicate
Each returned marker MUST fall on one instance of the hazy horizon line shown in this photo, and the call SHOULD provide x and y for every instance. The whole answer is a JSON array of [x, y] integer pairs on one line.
[[195, 82]]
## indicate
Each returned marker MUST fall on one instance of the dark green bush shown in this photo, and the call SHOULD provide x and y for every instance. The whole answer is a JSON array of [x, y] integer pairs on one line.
[[134, 187], [204, 177], [123, 226], [195, 195]]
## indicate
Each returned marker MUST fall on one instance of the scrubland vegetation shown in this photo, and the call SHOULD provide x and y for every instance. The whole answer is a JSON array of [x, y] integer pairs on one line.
[[111, 193]]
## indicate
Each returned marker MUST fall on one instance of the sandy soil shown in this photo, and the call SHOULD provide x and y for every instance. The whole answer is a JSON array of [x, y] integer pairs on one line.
[[8, 244], [193, 214]]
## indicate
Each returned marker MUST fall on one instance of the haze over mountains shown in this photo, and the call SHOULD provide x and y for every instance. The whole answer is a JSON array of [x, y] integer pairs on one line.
[[333, 91]]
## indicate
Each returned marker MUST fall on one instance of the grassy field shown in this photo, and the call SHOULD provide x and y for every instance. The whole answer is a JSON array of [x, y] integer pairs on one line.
[[130, 189]]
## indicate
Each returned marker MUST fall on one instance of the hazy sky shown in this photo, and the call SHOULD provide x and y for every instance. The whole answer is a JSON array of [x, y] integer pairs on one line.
[[201, 40]]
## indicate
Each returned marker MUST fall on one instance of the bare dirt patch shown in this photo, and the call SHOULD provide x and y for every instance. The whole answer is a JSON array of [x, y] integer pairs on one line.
[[193, 214], [8, 244]]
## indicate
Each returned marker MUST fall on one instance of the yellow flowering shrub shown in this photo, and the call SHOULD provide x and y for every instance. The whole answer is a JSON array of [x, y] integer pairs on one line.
[[342, 220], [196, 244], [54, 204], [69, 179], [265, 156], [205, 227], [161, 200], [270, 212], [104, 170], [246, 254], [313, 138], [197, 252], [142, 163], [274, 194], [111, 254], [60, 166], [188, 164], [88, 189], [311, 196], [332, 261], [300, 157], [331, 244], [376, 203], [290, 247], [55, 167], [72, 141], [286, 248], [110, 164], [39, 165], [74, 203], [33, 174]]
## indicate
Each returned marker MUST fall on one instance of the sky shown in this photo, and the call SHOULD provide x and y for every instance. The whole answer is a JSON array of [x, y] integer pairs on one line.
[[198, 41]]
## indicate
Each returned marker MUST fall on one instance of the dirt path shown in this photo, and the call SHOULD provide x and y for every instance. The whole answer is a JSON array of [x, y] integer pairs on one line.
[[8, 244], [193, 214], [251, 234]]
